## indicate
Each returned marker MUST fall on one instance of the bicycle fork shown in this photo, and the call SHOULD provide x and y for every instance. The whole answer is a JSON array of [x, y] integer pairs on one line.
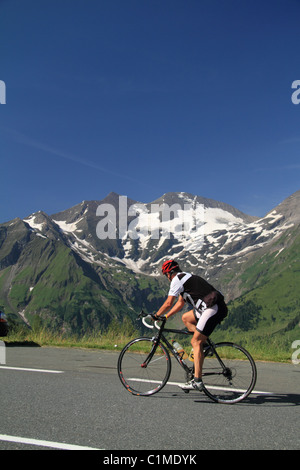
[[151, 354]]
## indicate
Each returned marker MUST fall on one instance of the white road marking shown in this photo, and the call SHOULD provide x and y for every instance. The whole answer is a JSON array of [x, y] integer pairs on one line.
[[181, 385], [37, 442], [33, 370]]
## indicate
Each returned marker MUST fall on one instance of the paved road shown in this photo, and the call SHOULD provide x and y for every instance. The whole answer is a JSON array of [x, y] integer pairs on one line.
[[82, 403]]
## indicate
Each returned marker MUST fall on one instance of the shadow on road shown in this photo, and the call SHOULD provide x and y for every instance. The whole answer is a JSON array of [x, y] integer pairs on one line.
[[31, 344], [278, 399]]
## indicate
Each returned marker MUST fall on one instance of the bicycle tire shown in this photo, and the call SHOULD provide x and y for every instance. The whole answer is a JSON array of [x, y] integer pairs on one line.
[[141, 379], [237, 381]]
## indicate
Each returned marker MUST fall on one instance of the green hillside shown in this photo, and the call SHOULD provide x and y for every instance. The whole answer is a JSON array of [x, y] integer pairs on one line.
[[55, 289]]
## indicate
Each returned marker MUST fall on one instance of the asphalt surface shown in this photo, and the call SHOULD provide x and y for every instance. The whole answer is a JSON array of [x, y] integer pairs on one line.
[[73, 397]]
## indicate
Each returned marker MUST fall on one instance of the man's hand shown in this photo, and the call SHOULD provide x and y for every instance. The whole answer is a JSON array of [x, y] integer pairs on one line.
[[158, 317]]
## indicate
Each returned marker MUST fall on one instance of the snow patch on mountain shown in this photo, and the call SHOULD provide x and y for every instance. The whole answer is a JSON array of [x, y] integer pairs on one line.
[[68, 227], [31, 222]]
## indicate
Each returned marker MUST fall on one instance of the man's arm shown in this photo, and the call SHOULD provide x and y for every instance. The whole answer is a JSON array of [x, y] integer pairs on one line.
[[168, 304]]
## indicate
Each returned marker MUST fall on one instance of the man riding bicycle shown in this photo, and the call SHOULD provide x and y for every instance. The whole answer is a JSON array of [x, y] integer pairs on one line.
[[209, 309]]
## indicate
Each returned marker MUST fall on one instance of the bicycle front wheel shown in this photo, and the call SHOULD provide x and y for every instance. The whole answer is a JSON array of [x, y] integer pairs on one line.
[[144, 367], [229, 373]]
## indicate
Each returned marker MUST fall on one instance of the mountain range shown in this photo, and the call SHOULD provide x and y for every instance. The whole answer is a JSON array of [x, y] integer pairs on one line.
[[78, 269]]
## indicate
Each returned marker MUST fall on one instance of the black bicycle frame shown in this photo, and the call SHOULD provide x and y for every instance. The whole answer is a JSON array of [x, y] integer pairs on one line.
[[160, 337]]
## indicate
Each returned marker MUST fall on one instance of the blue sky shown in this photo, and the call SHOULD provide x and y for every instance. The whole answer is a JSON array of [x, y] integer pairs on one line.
[[143, 97]]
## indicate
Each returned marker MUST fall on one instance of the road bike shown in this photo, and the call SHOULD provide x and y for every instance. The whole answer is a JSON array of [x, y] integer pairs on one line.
[[144, 365]]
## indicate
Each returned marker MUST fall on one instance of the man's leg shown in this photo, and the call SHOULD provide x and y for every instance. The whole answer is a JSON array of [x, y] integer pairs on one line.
[[198, 342], [189, 320], [204, 328]]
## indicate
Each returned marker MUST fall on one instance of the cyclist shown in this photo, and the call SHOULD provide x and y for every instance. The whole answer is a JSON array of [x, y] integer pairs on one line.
[[209, 309]]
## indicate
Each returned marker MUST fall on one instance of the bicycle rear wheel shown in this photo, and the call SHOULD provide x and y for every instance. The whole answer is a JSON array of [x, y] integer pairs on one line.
[[229, 375], [139, 376]]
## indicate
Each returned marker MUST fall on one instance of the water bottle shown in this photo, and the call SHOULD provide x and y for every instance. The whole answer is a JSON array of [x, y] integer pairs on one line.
[[191, 356], [179, 349]]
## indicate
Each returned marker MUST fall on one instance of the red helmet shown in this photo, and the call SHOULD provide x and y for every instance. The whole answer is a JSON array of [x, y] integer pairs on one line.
[[169, 266]]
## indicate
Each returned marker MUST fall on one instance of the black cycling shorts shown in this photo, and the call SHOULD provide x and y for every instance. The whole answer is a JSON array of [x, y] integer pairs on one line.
[[210, 318]]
